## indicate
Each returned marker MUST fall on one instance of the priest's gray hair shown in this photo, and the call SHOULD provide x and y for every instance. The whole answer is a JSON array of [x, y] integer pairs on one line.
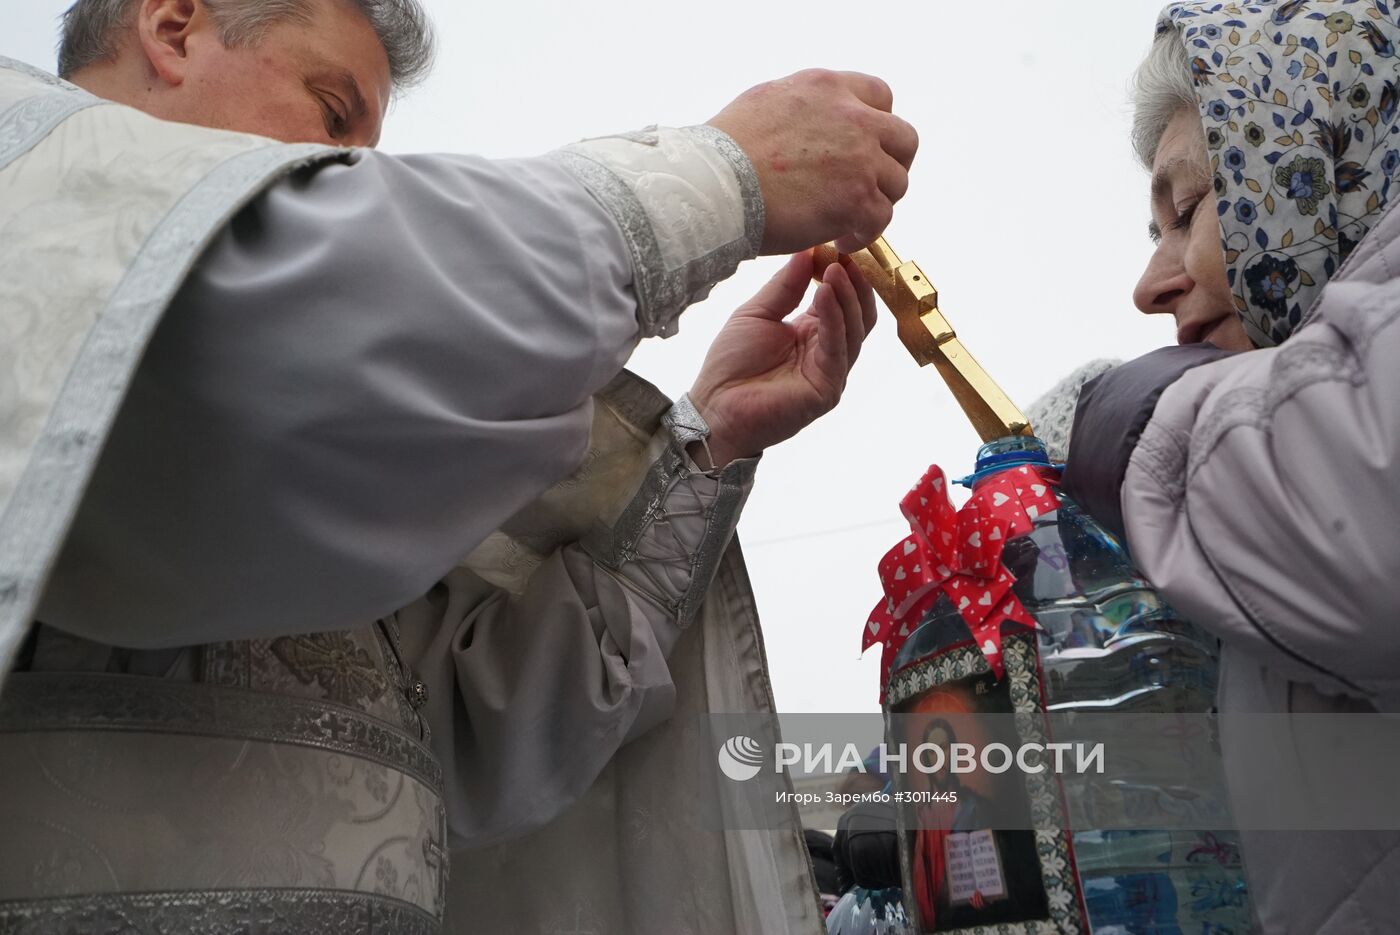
[[1161, 88], [91, 29]]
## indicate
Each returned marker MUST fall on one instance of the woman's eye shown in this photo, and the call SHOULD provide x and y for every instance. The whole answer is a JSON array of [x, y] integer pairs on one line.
[[1183, 220]]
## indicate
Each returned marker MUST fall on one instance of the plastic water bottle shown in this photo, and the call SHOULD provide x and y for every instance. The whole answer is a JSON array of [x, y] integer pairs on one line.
[[1106, 642], [869, 912]]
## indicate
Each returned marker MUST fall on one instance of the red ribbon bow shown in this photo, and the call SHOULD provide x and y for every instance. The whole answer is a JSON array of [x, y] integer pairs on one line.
[[958, 553]]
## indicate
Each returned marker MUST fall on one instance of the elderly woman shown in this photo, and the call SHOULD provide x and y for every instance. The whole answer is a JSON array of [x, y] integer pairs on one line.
[[1258, 490]]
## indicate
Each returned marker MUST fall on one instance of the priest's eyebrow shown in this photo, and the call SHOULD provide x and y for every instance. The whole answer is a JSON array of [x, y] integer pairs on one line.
[[352, 87], [347, 84]]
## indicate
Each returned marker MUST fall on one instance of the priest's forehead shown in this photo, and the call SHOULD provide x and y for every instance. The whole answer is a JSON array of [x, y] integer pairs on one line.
[[92, 29]]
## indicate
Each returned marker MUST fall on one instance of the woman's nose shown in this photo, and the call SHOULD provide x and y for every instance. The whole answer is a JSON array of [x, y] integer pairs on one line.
[[1162, 287]]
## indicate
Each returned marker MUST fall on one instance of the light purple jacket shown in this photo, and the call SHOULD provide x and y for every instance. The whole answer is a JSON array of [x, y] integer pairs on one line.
[[1262, 501]]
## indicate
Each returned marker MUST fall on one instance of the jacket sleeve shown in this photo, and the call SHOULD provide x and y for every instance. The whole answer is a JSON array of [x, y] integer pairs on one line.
[[1112, 410], [1052, 414], [530, 695], [374, 366], [1262, 497]]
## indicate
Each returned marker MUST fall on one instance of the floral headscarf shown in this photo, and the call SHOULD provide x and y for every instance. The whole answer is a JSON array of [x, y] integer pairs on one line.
[[1299, 101]]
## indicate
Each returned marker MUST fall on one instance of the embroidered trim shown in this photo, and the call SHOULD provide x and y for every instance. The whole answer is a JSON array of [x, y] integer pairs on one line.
[[46, 496], [28, 123], [662, 294], [685, 422], [219, 912], [656, 290], [229, 663], [38, 74], [47, 702], [615, 546], [936, 670], [734, 481], [619, 545], [343, 670], [755, 217], [1019, 653]]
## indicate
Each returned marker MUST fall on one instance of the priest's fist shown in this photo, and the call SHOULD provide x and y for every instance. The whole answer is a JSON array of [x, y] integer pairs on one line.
[[764, 378], [831, 158]]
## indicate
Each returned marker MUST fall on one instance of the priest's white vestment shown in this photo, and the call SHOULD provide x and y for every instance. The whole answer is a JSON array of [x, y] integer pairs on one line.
[[347, 584]]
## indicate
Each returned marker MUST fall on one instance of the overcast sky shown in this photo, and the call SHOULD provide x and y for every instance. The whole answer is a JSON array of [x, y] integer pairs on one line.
[[1026, 209]]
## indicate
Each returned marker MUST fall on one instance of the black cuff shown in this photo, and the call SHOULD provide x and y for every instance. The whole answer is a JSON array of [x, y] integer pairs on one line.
[[1113, 410]]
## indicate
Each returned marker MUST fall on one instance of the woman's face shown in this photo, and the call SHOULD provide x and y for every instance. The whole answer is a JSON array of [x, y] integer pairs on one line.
[[1186, 275]]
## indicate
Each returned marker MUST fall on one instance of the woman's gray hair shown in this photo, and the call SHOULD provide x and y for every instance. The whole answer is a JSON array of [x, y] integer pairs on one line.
[[91, 29], [1161, 88]]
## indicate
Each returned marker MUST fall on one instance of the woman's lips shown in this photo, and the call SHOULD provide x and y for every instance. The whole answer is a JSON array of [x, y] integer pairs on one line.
[[1198, 332]]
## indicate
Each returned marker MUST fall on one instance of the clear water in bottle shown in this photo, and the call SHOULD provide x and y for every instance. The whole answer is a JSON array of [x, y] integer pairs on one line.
[[1107, 642]]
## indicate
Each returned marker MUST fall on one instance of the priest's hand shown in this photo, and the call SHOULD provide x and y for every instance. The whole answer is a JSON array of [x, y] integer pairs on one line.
[[831, 158], [766, 378]]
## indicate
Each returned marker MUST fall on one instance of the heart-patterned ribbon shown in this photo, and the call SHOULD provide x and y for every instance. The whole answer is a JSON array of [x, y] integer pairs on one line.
[[958, 553]]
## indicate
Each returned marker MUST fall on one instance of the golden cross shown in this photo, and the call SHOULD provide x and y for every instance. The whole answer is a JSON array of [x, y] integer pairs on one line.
[[907, 292]]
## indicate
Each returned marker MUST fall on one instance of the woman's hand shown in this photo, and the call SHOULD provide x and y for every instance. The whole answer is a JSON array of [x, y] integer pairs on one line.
[[765, 379]]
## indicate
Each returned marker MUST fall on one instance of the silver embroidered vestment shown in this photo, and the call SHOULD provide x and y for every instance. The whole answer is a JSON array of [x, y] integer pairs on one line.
[[286, 712]]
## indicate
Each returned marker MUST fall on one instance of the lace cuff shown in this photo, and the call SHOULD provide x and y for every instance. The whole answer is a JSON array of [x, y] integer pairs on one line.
[[688, 204], [669, 539]]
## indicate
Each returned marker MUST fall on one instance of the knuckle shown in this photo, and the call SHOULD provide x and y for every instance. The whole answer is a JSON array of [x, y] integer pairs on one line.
[[879, 213], [872, 195], [867, 120], [862, 195], [899, 185], [909, 136], [855, 126]]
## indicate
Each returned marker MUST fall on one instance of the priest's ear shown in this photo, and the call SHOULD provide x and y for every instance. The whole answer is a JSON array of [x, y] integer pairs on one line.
[[169, 32]]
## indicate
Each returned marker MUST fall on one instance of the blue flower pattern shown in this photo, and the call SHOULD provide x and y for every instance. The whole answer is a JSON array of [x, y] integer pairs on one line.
[[1299, 99]]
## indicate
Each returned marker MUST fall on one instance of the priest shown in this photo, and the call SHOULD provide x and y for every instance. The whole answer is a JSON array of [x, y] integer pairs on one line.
[[336, 546]]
